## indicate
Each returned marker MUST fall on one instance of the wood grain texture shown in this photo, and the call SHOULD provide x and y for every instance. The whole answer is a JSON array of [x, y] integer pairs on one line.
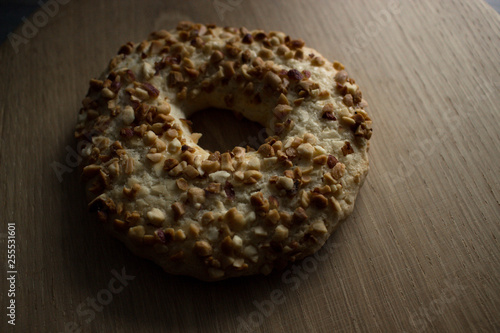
[[421, 250]]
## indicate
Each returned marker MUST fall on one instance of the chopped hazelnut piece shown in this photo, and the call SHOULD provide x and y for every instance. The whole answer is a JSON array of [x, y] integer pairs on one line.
[[178, 209], [318, 61], [273, 216], [137, 233], [341, 77], [321, 159], [155, 158], [338, 171], [299, 215], [170, 163], [319, 200], [286, 183], [305, 150], [347, 148], [202, 248], [196, 195], [234, 219], [182, 184], [319, 227], [335, 204], [180, 235], [304, 199], [213, 188], [266, 150], [207, 218], [272, 80], [227, 162], [280, 233], [281, 111], [251, 176], [156, 216], [191, 172], [216, 57]]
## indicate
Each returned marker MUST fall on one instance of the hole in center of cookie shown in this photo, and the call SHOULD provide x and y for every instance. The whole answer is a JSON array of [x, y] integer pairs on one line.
[[223, 130]]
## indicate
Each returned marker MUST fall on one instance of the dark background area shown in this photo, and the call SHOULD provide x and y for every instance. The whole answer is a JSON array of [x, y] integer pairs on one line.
[[13, 11]]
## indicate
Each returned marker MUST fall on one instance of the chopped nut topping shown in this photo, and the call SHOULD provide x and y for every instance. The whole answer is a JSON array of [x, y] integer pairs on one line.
[[151, 90], [266, 54], [107, 93], [202, 248], [227, 162], [209, 166], [272, 80], [280, 233], [332, 161], [266, 150], [228, 69], [305, 150], [207, 218], [286, 183], [273, 216], [281, 111], [137, 233], [321, 159], [156, 216], [319, 227], [299, 215], [347, 148], [327, 112], [155, 158], [295, 75], [338, 171], [180, 235], [319, 200], [216, 57], [178, 209], [196, 195], [335, 204], [191, 172], [341, 77], [170, 163], [251, 176], [234, 219], [182, 184], [304, 199], [318, 61]]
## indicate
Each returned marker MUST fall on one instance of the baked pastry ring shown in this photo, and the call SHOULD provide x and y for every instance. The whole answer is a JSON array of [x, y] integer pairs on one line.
[[214, 215]]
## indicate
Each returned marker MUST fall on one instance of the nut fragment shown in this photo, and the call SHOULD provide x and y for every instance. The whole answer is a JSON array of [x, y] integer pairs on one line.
[[319, 200], [281, 111], [156, 216], [305, 150], [207, 218], [338, 171], [227, 162], [299, 215], [347, 148], [280, 233], [182, 184], [178, 209], [196, 195], [136, 233], [202, 248], [321, 159], [319, 227], [234, 219]]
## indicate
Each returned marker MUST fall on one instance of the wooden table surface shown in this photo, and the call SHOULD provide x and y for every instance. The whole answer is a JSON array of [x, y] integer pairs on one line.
[[420, 252]]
